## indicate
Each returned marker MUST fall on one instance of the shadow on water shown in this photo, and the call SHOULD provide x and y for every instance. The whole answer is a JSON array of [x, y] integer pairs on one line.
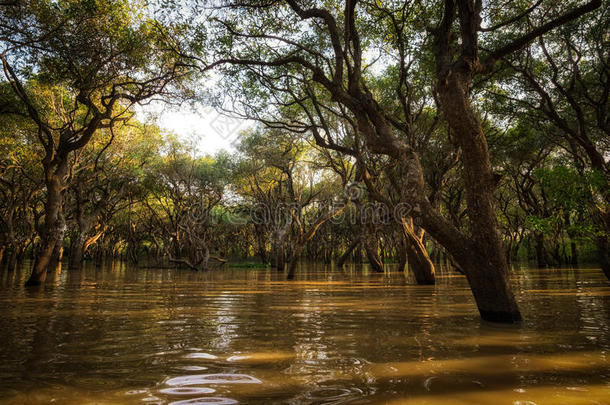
[[160, 336]]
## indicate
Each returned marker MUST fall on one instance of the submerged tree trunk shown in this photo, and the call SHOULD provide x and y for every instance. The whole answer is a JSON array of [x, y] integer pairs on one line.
[[53, 229], [371, 247], [292, 267], [573, 252], [543, 256], [603, 242], [306, 236], [205, 258], [280, 256], [77, 252], [603, 256], [12, 259], [419, 261], [486, 269], [402, 256], [81, 244], [279, 249], [261, 246], [348, 252], [56, 257]]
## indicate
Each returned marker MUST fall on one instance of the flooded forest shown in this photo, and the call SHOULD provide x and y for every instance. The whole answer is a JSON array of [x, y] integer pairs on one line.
[[304, 202]]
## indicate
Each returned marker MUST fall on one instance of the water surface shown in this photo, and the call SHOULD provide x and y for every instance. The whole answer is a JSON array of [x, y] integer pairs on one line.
[[119, 335]]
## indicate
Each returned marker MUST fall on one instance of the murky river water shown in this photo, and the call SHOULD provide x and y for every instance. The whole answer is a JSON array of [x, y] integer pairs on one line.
[[117, 335]]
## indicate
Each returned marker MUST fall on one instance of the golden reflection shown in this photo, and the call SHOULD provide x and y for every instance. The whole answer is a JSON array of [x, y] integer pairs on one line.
[[506, 339], [499, 364], [261, 357], [548, 395]]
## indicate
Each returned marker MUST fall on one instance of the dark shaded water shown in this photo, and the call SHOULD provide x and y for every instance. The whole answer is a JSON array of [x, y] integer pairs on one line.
[[118, 335]]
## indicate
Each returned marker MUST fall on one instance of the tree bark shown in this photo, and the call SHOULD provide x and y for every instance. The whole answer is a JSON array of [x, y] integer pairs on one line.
[[402, 257], [52, 231], [205, 258], [56, 257], [280, 257], [541, 255], [602, 254], [419, 261], [292, 267], [77, 252], [488, 273], [371, 248], [12, 260], [349, 250]]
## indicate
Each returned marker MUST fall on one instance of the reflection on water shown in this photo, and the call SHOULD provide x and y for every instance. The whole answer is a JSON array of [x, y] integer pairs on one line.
[[117, 335]]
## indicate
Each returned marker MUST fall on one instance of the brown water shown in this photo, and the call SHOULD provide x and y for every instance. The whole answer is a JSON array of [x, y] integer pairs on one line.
[[118, 335]]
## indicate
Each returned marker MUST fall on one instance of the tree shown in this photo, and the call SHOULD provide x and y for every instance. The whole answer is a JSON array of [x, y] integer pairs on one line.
[[184, 193], [564, 79], [20, 187], [292, 196], [104, 173], [287, 46], [87, 63]]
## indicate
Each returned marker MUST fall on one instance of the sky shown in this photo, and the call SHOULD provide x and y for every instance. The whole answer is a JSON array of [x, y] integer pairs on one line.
[[206, 129]]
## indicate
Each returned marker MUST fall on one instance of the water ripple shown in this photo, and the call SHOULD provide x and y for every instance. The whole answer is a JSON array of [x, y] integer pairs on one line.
[[205, 401], [187, 391], [213, 379]]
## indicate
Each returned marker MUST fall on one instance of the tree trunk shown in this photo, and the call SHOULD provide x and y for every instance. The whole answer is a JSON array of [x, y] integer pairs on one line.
[[12, 259], [488, 275], [402, 256], [292, 267], [52, 231], [419, 261], [327, 252], [542, 255], [602, 255], [603, 244], [509, 250], [76, 252], [515, 251], [278, 247], [280, 257], [261, 244], [206, 258], [573, 253], [56, 257], [371, 248], [349, 250]]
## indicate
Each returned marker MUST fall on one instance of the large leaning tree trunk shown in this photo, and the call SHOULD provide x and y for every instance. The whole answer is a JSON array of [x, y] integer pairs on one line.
[[457, 63], [489, 278]]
